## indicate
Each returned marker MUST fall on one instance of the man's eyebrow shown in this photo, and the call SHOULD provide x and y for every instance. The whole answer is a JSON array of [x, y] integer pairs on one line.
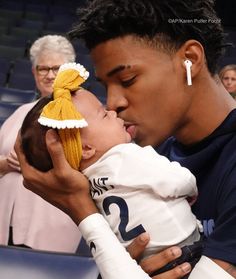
[[118, 69], [115, 70]]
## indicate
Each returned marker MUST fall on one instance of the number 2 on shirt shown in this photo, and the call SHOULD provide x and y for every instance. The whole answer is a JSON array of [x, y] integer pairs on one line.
[[124, 217]]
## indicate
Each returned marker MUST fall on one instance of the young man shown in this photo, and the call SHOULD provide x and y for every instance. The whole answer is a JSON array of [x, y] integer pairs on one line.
[[134, 188], [158, 61]]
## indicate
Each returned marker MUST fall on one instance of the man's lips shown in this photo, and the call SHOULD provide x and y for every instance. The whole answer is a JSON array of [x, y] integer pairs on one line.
[[131, 129]]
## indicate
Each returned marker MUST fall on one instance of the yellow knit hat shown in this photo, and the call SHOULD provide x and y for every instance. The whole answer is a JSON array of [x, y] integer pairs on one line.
[[62, 114]]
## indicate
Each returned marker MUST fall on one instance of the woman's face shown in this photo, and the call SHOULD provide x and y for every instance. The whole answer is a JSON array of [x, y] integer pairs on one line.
[[229, 81], [45, 71]]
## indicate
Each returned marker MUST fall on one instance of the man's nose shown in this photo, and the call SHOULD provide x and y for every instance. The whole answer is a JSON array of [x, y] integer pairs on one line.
[[116, 101]]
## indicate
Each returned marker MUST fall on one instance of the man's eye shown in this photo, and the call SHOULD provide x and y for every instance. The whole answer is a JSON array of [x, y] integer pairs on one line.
[[128, 82]]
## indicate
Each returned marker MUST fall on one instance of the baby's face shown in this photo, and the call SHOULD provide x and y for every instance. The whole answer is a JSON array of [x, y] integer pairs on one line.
[[105, 129]]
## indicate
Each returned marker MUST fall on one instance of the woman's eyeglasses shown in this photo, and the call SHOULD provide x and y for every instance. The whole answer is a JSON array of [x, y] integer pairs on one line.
[[44, 70]]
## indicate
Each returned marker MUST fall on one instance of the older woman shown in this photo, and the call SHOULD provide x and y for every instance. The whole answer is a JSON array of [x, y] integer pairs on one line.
[[228, 78], [25, 218]]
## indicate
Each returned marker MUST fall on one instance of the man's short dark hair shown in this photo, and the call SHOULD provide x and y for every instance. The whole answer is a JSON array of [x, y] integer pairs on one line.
[[164, 23]]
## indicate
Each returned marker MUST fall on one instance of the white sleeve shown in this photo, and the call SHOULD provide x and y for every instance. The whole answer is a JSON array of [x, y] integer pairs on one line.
[[208, 269], [113, 261]]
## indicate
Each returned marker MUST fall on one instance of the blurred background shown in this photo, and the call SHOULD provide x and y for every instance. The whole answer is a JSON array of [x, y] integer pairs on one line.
[[23, 21]]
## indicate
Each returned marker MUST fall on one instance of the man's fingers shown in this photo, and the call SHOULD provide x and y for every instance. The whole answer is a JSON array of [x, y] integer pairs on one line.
[[176, 273], [157, 261], [138, 245], [55, 150]]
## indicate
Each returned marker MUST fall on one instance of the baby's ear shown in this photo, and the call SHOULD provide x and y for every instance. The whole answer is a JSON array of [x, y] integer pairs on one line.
[[88, 151]]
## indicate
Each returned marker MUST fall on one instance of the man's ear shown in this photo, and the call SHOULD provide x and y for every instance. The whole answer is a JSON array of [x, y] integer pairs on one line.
[[192, 51], [88, 151]]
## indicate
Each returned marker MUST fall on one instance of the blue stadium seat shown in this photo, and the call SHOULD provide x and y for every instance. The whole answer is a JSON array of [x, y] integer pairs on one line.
[[3, 79], [79, 47], [32, 24], [23, 263], [5, 65], [26, 33], [16, 95], [12, 40], [2, 120], [7, 22], [11, 52], [12, 5], [12, 14], [6, 109], [23, 66], [21, 81], [226, 61], [41, 8], [35, 15], [59, 26]]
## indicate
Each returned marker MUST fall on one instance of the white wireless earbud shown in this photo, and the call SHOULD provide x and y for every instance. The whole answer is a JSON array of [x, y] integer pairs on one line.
[[188, 64]]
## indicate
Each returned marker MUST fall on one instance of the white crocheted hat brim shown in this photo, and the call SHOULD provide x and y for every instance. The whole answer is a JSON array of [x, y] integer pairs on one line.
[[76, 66], [62, 124]]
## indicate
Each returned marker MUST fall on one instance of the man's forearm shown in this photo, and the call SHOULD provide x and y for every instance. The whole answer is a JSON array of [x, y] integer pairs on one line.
[[79, 213], [112, 259]]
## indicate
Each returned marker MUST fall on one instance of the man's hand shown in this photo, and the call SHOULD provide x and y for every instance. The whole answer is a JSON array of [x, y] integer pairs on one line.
[[157, 261], [62, 186]]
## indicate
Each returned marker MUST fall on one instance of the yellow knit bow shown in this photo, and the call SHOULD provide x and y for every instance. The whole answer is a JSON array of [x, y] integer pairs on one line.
[[62, 114]]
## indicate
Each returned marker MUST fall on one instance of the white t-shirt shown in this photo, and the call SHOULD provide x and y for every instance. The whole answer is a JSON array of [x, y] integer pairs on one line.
[[138, 190]]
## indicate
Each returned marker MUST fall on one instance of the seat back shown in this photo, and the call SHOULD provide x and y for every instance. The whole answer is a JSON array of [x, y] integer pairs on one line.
[[22, 263], [21, 81], [11, 52], [16, 95], [6, 109]]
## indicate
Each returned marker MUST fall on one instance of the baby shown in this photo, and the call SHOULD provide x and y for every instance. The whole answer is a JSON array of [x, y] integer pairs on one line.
[[135, 188]]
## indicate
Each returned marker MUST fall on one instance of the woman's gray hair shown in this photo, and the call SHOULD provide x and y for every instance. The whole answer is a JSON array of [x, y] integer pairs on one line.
[[52, 43]]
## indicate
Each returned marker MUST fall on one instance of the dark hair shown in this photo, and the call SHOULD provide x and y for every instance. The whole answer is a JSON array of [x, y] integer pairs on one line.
[[167, 24], [33, 137]]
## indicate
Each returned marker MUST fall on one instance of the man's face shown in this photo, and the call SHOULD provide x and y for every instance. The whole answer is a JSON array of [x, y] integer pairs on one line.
[[144, 86]]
